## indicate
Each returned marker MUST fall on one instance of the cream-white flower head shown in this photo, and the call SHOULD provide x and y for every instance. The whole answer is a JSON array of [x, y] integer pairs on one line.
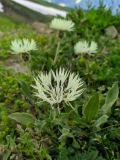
[[83, 47], [22, 45], [62, 24], [77, 1], [59, 86]]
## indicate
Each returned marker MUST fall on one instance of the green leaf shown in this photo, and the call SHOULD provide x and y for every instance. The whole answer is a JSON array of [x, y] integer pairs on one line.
[[91, 109], [23, 118], [63, 153], [110, 98], [6, 155], [103, 119], [25, 88], [65, 133]]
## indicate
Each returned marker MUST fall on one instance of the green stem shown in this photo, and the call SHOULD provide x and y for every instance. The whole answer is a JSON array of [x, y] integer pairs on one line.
[[53, 113], [58, 107], [87, 66], [56, 53], [58, 47], [74, 109], [88, 71]]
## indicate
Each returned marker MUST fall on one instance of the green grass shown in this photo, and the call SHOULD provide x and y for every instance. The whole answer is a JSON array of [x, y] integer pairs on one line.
[[12, 28], [9, 24]]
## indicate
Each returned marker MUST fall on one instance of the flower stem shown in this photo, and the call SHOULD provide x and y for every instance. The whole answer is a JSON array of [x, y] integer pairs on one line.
[[56, 53], [52, 113], [58, 107], [74, 109], [57, 49]]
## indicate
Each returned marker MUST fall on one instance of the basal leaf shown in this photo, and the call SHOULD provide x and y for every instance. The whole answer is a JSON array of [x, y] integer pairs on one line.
[[103, 119], [25, 88], [91, 109], [110, 98], [23, 118]]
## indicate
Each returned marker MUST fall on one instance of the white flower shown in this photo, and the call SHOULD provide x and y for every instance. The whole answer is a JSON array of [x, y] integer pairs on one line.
[[22, 46], [1, 7], [77, 1], [62, 24], [82, 47], [59, 86]]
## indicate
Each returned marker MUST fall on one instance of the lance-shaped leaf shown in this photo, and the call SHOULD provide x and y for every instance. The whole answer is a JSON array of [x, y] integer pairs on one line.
[[91, 109], [25, 88], [103, 119], [110, 98], [23, 118], [6, 154]]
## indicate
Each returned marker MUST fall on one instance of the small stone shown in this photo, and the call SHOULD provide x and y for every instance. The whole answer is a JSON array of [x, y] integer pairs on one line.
[[118, 36], [16, 66], [42, 27], [111, 31]]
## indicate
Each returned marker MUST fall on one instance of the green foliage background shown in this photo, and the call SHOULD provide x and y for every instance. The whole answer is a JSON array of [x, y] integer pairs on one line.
[[68, 136]]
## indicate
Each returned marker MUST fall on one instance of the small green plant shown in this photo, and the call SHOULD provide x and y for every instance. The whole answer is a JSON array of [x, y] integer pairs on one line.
[[52, 113], [65, 122]]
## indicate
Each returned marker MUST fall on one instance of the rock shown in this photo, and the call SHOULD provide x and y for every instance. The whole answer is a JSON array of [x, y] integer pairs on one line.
[[13, 64], [111, 31], [119, 36], [18, 68], [42, 27]]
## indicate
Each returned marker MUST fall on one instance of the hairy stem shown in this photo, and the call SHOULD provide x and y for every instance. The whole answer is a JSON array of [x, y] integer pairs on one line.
[[56, 53], [57, 49]]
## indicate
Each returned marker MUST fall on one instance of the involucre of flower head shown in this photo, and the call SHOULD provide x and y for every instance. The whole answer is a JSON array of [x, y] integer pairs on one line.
[[22, 45], [83, 47], [62, 24], [59, 86]]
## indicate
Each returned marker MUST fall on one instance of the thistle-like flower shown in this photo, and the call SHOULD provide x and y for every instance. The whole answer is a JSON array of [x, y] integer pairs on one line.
[[62, 24], [83, 47], [22, 46], [77, 1], [59, 86]]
